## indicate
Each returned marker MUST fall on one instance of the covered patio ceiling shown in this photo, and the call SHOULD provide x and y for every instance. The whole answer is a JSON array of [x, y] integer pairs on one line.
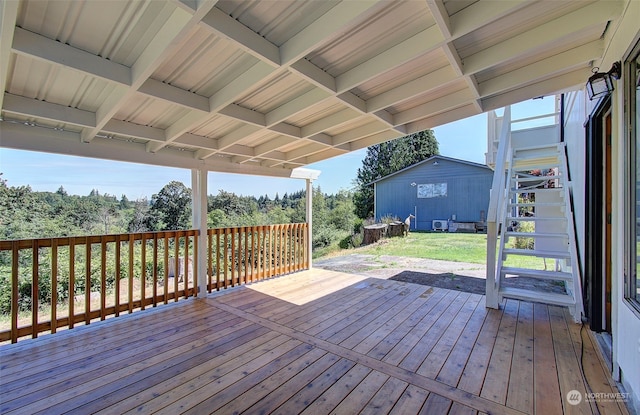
[[262, 87]]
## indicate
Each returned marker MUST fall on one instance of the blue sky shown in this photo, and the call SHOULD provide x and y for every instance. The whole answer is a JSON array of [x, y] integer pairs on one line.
[[465, 139]]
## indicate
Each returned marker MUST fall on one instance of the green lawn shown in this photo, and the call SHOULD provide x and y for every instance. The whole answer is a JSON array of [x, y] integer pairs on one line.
[[458, 247]]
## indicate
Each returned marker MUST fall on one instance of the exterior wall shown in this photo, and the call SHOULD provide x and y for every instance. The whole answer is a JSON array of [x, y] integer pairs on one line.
[[625, 321], [574, 137], [467, 193]]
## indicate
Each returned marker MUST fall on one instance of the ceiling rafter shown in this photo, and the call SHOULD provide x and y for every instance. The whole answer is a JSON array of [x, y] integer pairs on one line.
[[579, 56], [540, 36], [177, 26], [8, 16], [291, 51]]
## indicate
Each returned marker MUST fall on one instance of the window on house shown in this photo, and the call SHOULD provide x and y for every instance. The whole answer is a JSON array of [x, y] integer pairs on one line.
[[633, 279]]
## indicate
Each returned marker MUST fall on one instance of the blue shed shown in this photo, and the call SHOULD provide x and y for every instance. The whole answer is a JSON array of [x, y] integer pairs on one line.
[[436, 190]]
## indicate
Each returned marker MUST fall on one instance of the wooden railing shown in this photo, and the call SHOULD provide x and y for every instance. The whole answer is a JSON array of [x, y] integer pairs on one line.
[[252, 253], [57, 283]]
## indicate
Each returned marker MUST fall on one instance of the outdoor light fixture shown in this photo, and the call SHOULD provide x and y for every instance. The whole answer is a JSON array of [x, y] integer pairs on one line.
[[601, 83]]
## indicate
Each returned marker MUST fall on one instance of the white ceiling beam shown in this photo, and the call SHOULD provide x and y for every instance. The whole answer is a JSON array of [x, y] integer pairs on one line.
[[16, 104], [480, 14], [217, 101], [411, 48], [546, 87], [333, 120], [327, 153], [243, 114], [544, 68], [326, 26], [193, 140], [173, 31], [286, 129], [442, 104], [443, 118], [314, 74], [426, 83], [356, 133], [8, 17], [542, 35], [129, 129], [305, 151], [296, 105], [271, 145], [226, 26], [173, 95], [236, 135], [39, 139], [322, 138], [42, 48], [374, 139], [441, 17]]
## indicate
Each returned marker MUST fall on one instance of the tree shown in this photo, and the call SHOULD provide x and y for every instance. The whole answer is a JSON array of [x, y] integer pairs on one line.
[[170, 208], [387, 158]]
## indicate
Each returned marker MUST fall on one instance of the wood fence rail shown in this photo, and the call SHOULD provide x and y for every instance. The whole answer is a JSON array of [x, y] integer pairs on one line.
[[56, 283]]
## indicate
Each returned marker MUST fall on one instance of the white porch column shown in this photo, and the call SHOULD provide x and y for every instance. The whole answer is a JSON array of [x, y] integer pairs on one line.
[[309, 175], [309, 218], [199, 216]]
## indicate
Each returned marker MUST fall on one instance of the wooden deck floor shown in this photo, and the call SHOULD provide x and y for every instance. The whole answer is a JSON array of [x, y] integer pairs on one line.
[[315, 342]]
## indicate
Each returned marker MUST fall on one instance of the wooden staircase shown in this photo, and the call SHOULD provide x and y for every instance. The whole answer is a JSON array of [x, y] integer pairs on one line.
[[533, 206]]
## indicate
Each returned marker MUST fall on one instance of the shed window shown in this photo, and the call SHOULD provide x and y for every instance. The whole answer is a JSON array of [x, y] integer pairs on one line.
[[429, 190]]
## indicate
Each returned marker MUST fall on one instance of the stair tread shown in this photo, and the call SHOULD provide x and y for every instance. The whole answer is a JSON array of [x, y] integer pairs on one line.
[[535, 178], [555, 146], [538, 204], [535, 218], [537, 273], [537, 252], [540, 297], [536, 234]]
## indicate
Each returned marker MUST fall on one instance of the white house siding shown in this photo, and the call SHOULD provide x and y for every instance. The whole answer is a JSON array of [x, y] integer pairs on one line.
[[625, 321]]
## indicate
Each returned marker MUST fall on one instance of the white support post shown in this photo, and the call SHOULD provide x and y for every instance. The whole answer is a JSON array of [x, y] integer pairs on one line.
[[199, 216], [309, 217]]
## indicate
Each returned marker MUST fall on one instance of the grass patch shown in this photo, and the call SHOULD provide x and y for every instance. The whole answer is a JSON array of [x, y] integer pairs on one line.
[[455, 247]]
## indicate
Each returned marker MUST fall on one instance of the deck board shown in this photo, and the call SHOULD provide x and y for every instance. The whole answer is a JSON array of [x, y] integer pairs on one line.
[[362, 346]]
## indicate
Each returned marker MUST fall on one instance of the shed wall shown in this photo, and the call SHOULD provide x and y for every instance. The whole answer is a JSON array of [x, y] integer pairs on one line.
[[467, 193]]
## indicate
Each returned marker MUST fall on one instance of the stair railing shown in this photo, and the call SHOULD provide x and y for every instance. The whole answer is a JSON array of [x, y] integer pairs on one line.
[[496, 206]]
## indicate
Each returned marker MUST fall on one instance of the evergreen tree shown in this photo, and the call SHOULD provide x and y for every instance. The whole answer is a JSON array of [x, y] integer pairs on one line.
[[387, 158]]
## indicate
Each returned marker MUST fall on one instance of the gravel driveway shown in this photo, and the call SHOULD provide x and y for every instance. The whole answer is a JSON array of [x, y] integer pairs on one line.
[[461, 276]]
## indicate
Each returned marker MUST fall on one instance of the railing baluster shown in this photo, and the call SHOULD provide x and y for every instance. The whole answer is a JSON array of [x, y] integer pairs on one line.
[[87, 282], [246, 253], [14, 291], [54, 285], [166, 268], [72, 282], [155, 269], [176, 265], [209, 261], [103, 277], [143, 272], [218, 257], [233, 256], [34, 289], [118, 270], [130, 286], [186, 265]]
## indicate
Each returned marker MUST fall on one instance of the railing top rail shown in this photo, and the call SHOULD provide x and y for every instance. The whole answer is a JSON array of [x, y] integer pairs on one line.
[[92, 239], [498, 177]]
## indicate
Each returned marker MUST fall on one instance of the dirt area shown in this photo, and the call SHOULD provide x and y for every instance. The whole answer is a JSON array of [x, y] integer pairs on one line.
[[459, 276]]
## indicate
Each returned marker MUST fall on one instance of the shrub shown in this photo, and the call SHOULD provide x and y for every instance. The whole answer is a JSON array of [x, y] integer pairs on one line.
[[524, 242]]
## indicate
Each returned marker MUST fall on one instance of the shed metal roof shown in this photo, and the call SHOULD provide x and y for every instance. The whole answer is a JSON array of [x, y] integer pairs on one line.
[[262, 87]]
